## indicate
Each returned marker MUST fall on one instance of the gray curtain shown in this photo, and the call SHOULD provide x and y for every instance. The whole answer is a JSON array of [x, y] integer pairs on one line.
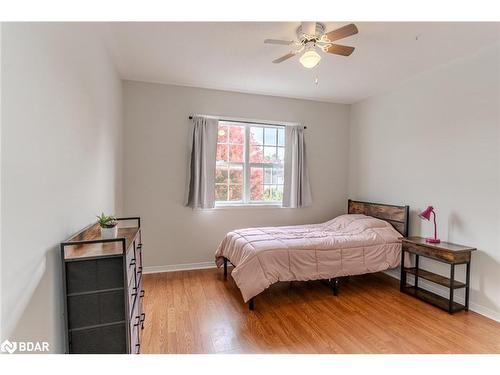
[[203, 149], [296, 190]]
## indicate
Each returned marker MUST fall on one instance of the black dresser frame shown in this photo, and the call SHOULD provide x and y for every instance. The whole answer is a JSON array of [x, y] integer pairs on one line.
[[122, 240]]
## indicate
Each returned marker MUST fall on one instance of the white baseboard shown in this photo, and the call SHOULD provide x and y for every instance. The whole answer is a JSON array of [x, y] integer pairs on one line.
[[179, 267], [442, 291]]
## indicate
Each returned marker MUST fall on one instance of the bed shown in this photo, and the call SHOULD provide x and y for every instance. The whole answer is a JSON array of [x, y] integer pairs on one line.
[[365, 240]]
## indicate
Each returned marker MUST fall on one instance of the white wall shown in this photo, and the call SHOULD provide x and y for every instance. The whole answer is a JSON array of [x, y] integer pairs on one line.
[[435, 140], [156, 151], [60, 161], [1, 290]]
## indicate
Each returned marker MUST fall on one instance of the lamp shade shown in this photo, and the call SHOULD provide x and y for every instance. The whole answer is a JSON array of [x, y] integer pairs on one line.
[[426, 214], [310, 59]]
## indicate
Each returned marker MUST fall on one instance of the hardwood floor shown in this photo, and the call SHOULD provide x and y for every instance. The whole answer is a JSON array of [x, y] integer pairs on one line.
[[198, 312]]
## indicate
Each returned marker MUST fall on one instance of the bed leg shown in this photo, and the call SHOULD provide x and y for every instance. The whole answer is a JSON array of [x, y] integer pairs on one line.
[[225, 268], [334, 286], [251, 304]]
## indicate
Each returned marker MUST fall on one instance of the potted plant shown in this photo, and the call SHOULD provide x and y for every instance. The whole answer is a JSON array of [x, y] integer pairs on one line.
[[109, 226]]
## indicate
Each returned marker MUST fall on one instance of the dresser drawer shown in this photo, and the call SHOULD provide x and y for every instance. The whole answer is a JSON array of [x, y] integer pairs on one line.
[[135, 346], [132, 296], [95, 308], [138, 258], [135, 323], [131, 265], [442, 254], [141, 305], [92, 275], [108, 339]]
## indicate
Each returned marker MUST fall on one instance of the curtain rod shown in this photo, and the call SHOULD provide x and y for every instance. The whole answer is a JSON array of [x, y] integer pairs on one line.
[[248, 122]]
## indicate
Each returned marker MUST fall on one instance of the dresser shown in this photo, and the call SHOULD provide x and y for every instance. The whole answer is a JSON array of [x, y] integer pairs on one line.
[[103, 290]]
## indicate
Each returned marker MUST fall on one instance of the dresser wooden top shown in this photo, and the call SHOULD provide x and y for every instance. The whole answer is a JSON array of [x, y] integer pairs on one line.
[[443, 246], [93, 232]]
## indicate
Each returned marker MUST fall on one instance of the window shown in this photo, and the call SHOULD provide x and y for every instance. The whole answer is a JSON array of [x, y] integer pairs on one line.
[[249, 168]]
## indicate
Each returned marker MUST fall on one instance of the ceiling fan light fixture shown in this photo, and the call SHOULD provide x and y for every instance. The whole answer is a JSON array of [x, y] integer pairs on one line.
[[310, 59], [312, 35]]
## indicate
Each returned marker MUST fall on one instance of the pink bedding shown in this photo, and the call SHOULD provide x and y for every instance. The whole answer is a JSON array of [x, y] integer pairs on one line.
[[347, 245]]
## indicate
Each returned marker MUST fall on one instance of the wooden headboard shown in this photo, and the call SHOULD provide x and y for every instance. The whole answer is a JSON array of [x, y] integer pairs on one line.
[[397, 216]]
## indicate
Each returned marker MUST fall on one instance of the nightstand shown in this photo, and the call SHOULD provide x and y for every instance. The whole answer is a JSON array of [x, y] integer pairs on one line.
[[444, 252]]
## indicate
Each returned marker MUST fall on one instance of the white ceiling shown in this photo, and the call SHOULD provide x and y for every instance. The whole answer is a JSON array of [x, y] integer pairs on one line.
[[232, 56]]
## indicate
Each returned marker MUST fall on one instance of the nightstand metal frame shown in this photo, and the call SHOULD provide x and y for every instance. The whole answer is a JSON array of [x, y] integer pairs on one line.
[[445, 253]]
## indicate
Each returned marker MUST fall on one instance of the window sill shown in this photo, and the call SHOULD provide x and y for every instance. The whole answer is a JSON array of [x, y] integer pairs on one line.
[[247, 206]]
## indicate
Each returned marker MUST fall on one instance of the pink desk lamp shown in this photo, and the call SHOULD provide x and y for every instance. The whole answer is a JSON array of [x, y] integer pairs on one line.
[[426, 214]]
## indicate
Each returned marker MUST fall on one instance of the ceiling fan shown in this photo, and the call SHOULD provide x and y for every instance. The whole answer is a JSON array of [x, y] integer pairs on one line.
[[312, 35]]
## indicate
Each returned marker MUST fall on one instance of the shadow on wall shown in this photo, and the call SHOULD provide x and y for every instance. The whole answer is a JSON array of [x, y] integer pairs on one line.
[[454, 223], [415, 223], [42, 320], [480, 259], [483, 258]]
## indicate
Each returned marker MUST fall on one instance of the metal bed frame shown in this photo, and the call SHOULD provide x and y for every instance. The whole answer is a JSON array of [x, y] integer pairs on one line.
[[397, 216]]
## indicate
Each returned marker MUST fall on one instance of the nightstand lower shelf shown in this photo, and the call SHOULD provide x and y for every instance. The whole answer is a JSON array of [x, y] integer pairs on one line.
[[434, 277], [432, 298]]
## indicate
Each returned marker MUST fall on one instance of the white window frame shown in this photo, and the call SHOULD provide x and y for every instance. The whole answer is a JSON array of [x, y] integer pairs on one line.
[[246, 202]]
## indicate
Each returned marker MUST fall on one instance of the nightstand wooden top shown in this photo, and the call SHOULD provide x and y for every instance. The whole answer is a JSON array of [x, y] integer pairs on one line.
[[444, 246]]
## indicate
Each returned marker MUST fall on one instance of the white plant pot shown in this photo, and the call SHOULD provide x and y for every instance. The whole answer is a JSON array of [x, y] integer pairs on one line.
[[109, 232]]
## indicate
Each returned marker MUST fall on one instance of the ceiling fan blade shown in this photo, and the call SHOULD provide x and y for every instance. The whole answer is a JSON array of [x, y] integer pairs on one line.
[[343, 32], [278, 41], [339, 49], [309, 28], [283, 58]]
